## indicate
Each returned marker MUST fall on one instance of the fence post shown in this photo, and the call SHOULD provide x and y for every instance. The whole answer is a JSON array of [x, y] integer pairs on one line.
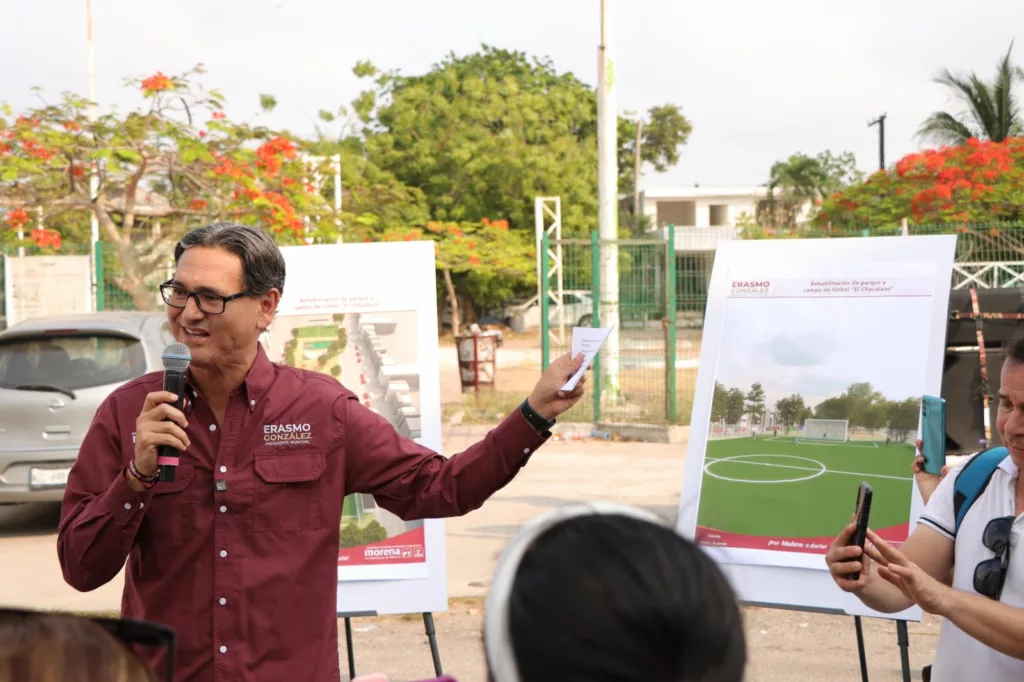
[[545, 324], [595, 289], [670, 345], [101, 288]]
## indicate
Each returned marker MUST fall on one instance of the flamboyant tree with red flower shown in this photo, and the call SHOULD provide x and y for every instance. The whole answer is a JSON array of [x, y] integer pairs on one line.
[[470, 257], [174, 163], [980, 181]]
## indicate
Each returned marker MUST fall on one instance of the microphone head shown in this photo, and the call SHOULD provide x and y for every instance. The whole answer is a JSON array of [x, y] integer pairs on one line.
[[176, 357]]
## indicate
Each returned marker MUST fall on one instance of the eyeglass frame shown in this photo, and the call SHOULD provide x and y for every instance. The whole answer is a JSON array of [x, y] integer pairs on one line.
[[1000, 562], [195, 295], [128, 631]]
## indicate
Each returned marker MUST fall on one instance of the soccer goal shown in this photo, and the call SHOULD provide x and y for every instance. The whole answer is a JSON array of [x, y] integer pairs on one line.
[[834, 430]]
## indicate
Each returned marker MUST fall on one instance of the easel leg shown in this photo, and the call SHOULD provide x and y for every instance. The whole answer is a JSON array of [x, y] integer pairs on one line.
[[350, 648], [428, 624], [904, 642], [860, 649]]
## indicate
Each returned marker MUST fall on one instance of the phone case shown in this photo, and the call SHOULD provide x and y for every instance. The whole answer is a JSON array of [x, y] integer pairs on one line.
[[862, 515], [933, 434]]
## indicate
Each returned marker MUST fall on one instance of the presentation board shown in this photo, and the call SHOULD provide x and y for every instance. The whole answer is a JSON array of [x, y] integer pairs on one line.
[[785, 341], [367, 315], [46, 285]]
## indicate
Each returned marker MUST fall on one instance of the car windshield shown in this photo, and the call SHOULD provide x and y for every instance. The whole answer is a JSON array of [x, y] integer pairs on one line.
[[70, 362]]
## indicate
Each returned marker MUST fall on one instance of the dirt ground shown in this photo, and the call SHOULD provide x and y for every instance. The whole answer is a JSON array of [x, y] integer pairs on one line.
[[783, 646]]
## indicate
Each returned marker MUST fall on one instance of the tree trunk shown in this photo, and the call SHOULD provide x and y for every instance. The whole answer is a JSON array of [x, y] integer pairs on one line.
[[453, 300], [133, 280]]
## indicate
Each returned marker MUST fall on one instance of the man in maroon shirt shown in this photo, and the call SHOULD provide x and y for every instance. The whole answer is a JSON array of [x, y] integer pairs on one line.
[[239, 553]]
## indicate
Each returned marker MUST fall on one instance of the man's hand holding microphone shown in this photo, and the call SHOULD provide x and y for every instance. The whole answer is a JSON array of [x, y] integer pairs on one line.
[[160, 429], [160, 423]]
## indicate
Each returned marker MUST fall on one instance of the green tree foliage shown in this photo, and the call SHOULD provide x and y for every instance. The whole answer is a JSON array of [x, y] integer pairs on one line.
[[173, 163], [351, 535], [482, 135], [803, 180], [992, 109]]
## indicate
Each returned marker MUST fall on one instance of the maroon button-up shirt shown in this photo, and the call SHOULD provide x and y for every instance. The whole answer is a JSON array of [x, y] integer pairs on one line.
[[240, 553]]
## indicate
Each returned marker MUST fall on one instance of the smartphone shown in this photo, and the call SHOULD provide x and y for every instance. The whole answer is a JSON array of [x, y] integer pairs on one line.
[[861, 514], [933, 434]]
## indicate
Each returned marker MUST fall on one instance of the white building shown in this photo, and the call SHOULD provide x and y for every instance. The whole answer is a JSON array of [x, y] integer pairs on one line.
[[702, 215]]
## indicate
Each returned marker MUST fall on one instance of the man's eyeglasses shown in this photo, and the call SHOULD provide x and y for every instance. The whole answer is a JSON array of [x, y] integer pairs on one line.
[[990, 575], [177, 296]]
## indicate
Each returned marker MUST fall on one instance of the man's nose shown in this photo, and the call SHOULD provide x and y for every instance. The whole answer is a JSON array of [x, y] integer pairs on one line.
[[192, 310]]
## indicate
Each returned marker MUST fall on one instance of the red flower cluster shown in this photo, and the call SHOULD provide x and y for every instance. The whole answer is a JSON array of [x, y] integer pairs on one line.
[[36, 150], [46, 238], [156, 83], [979, 180], [198, 205], [17, 218], [270, 154], [219, 116]]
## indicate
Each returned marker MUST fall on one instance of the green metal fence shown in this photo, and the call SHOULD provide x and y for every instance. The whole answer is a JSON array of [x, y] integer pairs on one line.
[[642, 382]]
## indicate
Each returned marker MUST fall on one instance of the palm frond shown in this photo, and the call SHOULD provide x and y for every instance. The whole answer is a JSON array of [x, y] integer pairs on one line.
[[943, 128]]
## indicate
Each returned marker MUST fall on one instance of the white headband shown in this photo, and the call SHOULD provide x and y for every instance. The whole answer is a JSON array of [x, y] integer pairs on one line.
[[497, 639]]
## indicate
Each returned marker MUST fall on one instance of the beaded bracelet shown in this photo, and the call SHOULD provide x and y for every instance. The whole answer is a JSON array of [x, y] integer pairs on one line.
[[147, 481]]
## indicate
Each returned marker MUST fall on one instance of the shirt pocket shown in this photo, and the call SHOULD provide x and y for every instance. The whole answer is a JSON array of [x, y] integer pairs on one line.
[[172, 515], [288, 491]]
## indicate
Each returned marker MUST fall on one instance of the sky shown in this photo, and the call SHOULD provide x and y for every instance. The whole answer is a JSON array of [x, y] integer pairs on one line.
[[818, 347], [759, 81]]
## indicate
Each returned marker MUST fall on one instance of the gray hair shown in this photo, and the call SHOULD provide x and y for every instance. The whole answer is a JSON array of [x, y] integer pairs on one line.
[[262, 261]]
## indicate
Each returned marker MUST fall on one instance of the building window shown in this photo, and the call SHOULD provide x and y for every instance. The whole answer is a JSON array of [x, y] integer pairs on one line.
[[719, 215]]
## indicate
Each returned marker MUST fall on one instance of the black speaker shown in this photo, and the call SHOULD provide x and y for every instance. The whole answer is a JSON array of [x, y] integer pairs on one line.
[[962, 332]]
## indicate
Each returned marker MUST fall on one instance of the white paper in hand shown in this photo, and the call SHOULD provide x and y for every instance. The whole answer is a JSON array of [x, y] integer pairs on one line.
[[586, 340]]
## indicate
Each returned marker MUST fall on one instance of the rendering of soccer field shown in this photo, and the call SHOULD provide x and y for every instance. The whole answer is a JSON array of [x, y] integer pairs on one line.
[[774, 487]]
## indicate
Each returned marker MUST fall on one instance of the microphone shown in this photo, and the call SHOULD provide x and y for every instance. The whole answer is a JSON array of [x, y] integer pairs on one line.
[[176, 359]]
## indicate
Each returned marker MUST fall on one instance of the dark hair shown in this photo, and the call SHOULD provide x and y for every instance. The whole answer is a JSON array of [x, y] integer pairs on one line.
[[1014, 349], [262, 261], [610, 597], [53, 647]]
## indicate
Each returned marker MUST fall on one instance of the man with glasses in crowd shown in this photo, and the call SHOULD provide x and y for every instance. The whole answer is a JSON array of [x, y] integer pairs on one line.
[[982, 606], [239, 553]]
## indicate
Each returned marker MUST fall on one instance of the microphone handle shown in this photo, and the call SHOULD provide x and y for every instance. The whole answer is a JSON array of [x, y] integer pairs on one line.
[[166, 455]]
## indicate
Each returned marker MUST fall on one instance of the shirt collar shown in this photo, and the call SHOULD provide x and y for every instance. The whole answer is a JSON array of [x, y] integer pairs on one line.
[[1008, 465], [257, 381]]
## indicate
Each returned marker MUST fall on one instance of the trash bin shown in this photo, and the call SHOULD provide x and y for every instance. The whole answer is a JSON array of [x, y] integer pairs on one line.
[[478, 359]]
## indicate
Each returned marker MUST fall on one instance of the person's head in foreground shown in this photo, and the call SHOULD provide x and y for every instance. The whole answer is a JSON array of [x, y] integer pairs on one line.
[[605, 592], [55, 647]]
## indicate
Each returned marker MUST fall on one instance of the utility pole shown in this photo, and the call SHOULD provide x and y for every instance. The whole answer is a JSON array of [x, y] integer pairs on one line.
[[608, 198], [94, 179], [880, 122], [636, 166]]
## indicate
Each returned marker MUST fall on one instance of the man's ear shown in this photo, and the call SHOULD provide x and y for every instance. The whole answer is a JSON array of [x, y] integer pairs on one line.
[[268, 308]]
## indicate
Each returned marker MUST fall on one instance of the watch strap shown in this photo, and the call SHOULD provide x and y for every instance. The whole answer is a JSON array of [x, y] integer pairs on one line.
[[537, 421]]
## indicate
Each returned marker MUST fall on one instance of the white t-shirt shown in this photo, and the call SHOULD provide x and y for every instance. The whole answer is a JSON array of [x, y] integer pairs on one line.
[[959, 656]]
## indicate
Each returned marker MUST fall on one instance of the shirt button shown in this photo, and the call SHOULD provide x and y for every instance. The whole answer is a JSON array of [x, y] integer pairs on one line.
[[223, 553], [526, 451], [252, 402], [223, 649], [223, 470], [222, 601], [223, 509], [127, 505], [141, 505], [213, 427]]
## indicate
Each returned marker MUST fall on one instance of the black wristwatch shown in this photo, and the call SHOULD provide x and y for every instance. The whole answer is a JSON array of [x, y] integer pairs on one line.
[[539, 423]]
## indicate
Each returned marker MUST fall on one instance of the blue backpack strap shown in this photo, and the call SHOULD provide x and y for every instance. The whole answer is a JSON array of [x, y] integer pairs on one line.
[[973, 479]]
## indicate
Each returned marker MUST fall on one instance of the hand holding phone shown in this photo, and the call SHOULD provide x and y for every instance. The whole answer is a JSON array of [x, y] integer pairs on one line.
[[933, 434], [862, 513]]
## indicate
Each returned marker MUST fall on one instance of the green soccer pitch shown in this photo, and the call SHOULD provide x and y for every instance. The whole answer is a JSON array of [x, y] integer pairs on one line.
[[771, 486]]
